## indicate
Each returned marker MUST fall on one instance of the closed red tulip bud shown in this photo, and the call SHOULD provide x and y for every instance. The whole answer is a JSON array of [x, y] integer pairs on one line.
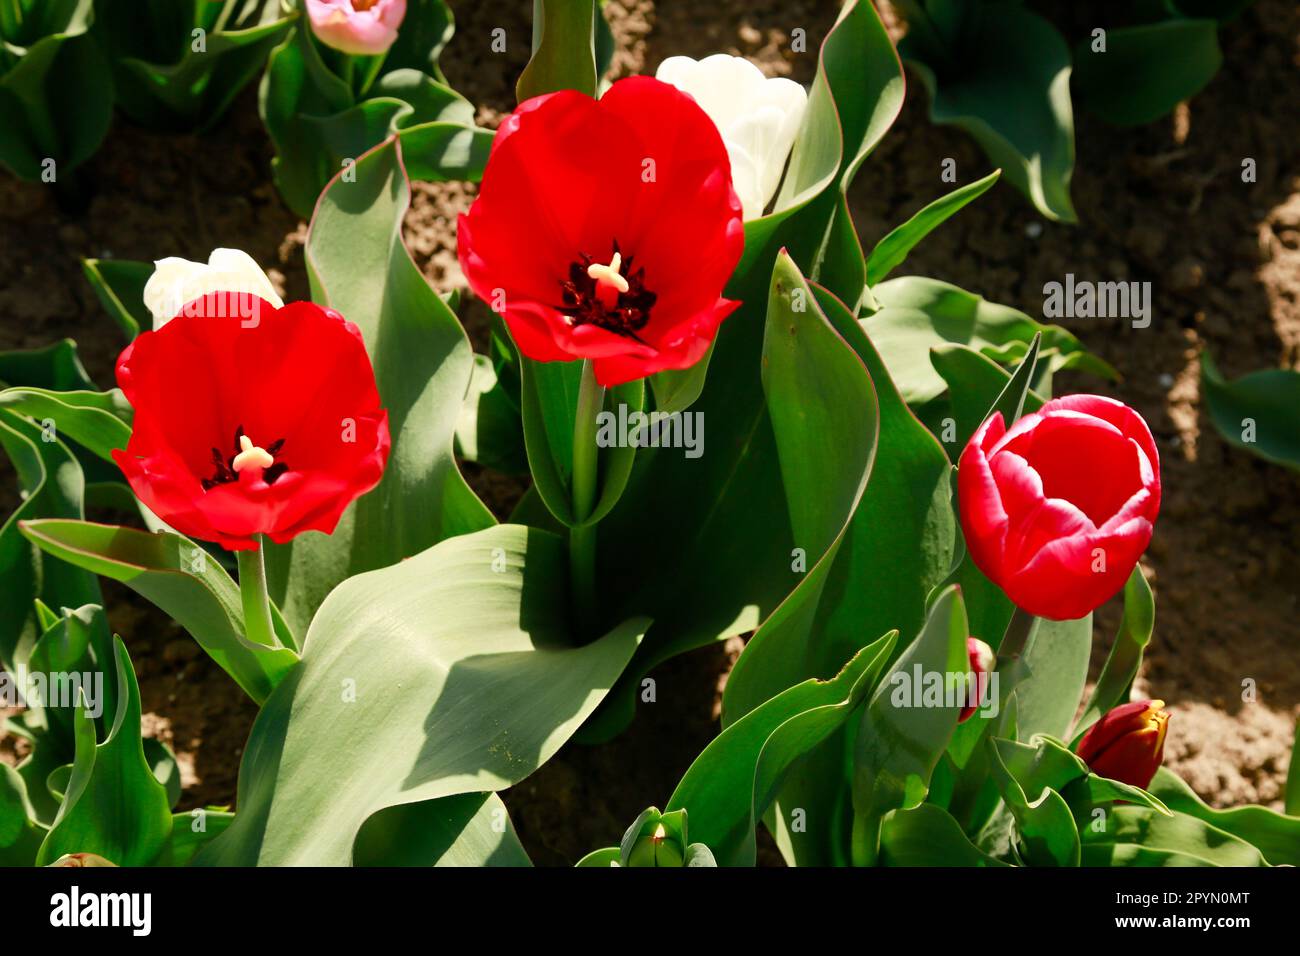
[[264, 424], [1128, 743], [1058, 508], [982, 662], [606, 229]]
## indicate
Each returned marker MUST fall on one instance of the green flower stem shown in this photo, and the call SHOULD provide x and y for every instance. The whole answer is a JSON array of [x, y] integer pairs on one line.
[[252, 592], [1015, 638], [582, 535]]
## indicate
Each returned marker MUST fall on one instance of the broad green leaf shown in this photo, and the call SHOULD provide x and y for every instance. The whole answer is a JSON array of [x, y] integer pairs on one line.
[[190, 833], [68, 655], [734, 780], [1137, 836], [564, 51], [1125, 657], [927, 836], [98, 421], [470, 829], [184, 581], [448, 673], [1259, 412], [903, 733], [20, 835], [56, 367], [917, 314], [604, 857], [170, 77], [490, 430], [1057, 659], [1146, 70], [1275, 835], [1046, 834], [358, 264], [426, 29], [114, 806], [119, 286], [319, 125], [1007, 83], [891, 251], [52, 486], [56, 94]]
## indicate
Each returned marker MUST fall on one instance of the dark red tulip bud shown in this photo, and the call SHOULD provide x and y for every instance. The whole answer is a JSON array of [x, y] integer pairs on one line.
[[1128, 743]]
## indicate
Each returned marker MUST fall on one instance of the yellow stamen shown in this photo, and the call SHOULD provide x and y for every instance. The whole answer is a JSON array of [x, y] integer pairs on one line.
[[608, 275], [251, 456]]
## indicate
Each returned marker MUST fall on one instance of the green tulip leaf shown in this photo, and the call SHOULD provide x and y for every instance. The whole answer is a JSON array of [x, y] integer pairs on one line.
[[917, 315], [192, 60], [98, 421], [928, 836], [452, 672], [735, 779], [56, 91], [1135, 629], [564, 50], [1006, 81], [20, 835], [1146, 70], [1137, 836], [903, 733], [469, 829], [56, 367], [892, 250], [182, 579], [358, 264], [53, 486], [114, 806], [1275, 835], [1259, 412], [119, 286]]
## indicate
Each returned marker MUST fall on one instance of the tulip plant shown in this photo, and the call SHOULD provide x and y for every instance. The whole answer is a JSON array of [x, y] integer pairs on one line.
[[735, 422], [1007, 75]]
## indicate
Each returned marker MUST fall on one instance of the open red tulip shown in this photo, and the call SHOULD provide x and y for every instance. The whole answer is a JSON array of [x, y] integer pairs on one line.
[[606, 229], [1057, 509], [1128, 743], [249, 426]]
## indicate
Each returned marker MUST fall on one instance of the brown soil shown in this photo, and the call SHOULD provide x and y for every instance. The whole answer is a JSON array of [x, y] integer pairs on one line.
[[1162, 203]]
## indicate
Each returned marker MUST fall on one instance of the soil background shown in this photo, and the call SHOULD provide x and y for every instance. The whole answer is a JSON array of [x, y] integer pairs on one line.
[[1162, 203]]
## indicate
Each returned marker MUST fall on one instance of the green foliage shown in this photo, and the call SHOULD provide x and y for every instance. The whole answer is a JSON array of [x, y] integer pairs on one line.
[[56, 91]]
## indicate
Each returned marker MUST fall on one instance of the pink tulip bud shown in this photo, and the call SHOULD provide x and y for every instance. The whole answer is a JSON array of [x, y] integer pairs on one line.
[[361, 27], [982, 662]]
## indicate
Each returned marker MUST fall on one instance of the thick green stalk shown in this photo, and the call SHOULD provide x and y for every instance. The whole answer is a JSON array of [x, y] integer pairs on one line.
[[582, 536], [252, 592]]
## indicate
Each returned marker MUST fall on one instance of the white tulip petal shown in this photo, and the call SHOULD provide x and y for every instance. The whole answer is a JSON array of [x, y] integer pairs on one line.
[[757, 116], [176, 281]]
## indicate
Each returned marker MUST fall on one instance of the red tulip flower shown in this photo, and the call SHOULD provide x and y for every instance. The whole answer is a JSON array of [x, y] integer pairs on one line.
[[1057, 509], [606, 229], [1128, 743], [250, 422]]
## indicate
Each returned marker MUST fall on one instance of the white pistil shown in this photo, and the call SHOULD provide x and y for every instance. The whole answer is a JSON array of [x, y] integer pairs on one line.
[[609, 283], [251, 456]]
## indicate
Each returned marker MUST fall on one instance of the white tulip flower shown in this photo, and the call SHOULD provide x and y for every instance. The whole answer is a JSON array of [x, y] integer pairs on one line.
[[177, 281], [758, 117]]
